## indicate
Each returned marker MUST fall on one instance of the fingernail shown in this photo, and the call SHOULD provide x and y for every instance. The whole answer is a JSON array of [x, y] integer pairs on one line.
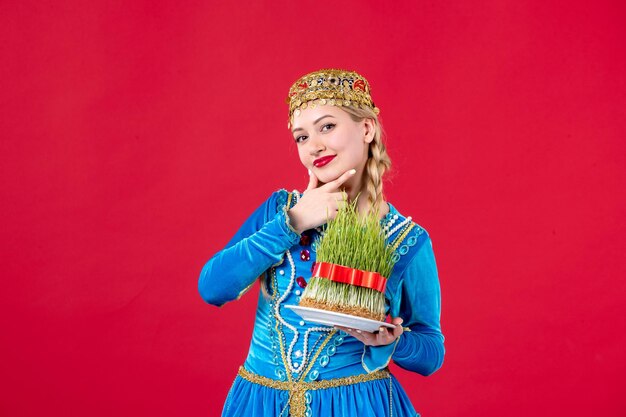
[[349, 330], [352, 171], [358, 331]]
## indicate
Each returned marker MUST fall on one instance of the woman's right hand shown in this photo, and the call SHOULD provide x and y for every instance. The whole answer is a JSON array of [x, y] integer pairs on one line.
[[318, 204]]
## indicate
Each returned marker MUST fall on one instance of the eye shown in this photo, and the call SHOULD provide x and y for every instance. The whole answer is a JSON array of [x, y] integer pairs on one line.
[[300, 137], [329, 124]]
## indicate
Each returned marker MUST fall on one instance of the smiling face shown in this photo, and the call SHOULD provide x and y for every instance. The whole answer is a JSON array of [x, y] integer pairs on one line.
[[328, 131]]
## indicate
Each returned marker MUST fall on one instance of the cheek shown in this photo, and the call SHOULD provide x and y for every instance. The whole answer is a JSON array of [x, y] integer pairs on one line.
[[301, 155], [339, 141], [346, 143], [345, 138]]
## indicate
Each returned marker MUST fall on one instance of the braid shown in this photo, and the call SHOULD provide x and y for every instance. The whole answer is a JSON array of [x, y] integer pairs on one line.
[[376, 166]]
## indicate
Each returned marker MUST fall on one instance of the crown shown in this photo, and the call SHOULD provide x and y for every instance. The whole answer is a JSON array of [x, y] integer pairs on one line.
[[335, 87]]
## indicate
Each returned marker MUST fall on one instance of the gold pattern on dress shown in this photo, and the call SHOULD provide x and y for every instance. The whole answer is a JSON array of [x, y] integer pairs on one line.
[[402, 235], [280, 333], [297, 389], [313, 385]]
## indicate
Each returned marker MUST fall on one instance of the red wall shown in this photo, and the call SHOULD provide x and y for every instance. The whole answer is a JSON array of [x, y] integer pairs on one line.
[[137, 136]]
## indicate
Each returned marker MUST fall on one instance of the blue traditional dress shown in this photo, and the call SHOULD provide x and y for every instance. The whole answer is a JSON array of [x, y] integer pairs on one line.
[[296, 368]]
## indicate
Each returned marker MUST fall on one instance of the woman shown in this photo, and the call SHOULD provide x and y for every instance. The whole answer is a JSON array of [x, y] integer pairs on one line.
[[303, 369]]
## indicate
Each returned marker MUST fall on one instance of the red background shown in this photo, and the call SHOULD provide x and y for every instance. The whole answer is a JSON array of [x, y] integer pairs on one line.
[[138, 136]]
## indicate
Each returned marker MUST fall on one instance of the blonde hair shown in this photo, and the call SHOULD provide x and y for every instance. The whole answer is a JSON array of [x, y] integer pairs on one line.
[[378, 161], [377, 166]]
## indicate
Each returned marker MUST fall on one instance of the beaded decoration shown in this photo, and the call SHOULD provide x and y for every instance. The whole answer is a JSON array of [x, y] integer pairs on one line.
[[334, 87], [300, 376]]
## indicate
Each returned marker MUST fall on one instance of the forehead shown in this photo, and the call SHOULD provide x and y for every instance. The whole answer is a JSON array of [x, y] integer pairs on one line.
[[310, 115]]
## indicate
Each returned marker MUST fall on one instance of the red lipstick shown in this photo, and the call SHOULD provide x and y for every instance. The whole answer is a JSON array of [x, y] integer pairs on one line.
[[320, 162]]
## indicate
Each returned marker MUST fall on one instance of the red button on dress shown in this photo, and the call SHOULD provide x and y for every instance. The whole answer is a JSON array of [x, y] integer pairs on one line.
[[305, 255], [301, 282], [313, 266]]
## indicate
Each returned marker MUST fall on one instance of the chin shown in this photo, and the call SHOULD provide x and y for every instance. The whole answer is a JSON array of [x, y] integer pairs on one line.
[[326, 175]]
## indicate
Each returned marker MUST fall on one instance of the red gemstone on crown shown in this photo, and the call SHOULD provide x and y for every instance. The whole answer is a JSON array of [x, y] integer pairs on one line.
[[301, 282], [359, 84], [305, 255]]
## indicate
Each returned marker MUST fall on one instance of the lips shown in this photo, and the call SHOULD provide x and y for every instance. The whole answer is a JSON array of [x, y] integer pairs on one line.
[[320, 162]]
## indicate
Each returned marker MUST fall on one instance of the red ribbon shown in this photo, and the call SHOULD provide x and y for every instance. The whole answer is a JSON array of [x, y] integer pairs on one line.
[[352, 276]]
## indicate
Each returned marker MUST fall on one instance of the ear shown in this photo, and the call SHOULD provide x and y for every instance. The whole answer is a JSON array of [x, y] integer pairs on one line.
[[369, 126]]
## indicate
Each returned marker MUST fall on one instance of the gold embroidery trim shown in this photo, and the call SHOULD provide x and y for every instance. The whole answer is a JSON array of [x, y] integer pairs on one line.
[[313, 385], [297, 390], [402, 236]]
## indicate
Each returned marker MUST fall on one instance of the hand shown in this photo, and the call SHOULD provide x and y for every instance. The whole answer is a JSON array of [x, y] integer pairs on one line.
[[383, 337], [318, 204]]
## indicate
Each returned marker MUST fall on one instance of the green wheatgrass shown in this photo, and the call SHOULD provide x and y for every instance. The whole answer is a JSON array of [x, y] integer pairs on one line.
[[356, 242]]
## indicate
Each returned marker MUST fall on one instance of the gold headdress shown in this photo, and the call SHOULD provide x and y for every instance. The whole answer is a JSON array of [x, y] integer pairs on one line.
[[334, 87]]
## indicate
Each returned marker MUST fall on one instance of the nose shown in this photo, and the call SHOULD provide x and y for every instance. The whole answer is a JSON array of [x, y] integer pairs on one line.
[[317, 145]]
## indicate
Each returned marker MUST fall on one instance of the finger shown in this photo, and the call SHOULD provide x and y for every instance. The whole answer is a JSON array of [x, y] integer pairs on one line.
[[360, 337], [332, 206], [340, 196], [397, 321], [383, 336], [358, 334], [345, 329], [340, 199], [312, 181], [333, 185], [368, 338], [398, 331], [369, 335]]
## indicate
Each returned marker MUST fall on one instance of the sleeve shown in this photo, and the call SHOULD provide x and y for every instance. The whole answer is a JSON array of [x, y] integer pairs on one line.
[[258, 244], [420, 348]]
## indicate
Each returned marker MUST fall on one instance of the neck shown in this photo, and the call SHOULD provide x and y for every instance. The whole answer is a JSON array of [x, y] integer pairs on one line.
[[363, 205]]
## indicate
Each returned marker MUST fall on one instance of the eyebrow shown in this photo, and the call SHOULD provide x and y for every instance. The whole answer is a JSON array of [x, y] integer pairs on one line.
[[315, 122]]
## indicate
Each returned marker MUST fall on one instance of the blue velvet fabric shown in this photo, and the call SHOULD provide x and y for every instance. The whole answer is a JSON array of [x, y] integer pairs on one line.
[[266, 245]]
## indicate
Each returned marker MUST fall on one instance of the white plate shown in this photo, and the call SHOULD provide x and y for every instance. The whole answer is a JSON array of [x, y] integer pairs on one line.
[[330, 318]]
